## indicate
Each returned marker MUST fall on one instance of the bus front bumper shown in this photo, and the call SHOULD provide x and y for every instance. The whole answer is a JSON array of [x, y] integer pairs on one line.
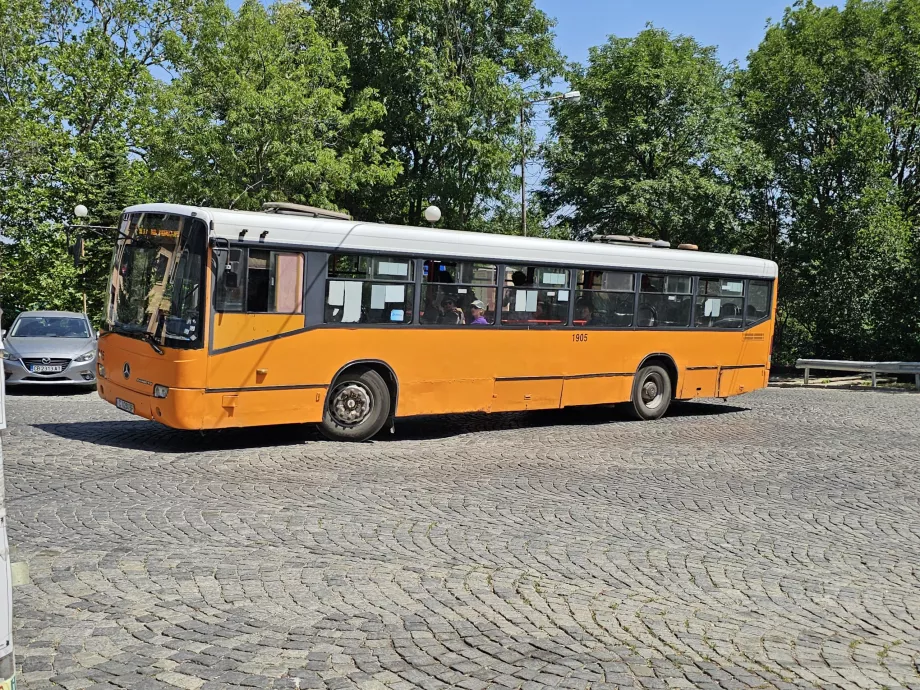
[[181, 408]]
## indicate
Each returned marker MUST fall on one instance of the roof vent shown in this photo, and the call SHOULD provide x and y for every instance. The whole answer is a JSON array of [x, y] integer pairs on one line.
[[690, 247], [284, 207], [630, 239]]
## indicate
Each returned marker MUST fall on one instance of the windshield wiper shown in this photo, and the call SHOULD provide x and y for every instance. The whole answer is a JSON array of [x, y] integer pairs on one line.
[[139, 334], [152, 342]]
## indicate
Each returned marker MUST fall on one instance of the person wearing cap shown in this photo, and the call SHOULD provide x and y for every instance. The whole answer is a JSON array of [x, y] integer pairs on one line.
[[451, 314], [478, 312]]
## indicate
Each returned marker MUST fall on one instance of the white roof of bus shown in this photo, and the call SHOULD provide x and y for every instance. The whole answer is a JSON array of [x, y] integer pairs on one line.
[[358, 236]]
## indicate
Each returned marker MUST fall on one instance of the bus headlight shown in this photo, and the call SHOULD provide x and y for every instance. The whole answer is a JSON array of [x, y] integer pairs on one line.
[[85, 357], [101, 368], [160, 391]]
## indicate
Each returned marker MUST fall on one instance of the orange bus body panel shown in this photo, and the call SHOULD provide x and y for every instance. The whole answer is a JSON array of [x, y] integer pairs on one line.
[[232, 329], [285, 379]]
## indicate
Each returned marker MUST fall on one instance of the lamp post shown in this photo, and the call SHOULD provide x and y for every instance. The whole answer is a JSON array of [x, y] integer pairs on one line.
[[570, 96], [76, 249]]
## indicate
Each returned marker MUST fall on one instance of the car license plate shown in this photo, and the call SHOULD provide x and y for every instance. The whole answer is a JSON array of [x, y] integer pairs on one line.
[[46, 369], [124, 405]]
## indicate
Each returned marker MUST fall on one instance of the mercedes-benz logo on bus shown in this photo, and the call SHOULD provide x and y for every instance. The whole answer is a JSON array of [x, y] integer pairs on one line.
[[46, 360], [126, 370]]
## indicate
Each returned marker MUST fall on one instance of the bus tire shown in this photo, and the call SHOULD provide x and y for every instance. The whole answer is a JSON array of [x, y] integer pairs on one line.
[[651, 393], [356, 407]]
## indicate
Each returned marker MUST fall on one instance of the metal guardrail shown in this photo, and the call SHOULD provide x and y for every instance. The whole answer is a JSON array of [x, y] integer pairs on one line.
[[874, 368]]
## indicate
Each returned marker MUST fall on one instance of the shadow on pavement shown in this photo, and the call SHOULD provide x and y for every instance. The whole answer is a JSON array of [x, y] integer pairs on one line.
[[150, 436], [49, 390]]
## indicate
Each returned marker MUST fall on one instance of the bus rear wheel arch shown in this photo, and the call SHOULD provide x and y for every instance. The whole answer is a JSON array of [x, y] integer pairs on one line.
[[359, 402], [653, 387]]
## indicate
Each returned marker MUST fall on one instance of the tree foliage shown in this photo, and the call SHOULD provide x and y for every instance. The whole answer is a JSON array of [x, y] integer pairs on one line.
[[654, 146], [257, 113], [452, 76], [809, 156], [833, 97]]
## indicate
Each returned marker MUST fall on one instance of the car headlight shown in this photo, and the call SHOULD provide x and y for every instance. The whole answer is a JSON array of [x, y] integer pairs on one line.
[[85, 357], [7, 354]]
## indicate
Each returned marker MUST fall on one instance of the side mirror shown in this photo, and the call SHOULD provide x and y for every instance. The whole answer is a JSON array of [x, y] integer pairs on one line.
[[231, 279]]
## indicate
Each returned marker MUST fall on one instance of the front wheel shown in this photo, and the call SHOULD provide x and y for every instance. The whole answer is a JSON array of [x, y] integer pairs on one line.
[[651, 393], [356, 407]]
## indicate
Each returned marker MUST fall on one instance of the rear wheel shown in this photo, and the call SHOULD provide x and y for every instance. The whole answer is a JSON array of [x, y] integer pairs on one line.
[[356, 407], [651, 393]]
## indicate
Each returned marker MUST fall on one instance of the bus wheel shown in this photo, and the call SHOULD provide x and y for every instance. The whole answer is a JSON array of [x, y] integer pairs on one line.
[[356, 406], [651, 393]]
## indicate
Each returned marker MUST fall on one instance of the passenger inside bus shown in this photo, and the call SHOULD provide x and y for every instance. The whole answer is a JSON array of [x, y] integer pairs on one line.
[[451, 314], [478, 313], [584, 313]]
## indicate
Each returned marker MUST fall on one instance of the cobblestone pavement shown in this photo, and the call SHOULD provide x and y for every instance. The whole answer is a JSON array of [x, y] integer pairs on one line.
[[771, 542]]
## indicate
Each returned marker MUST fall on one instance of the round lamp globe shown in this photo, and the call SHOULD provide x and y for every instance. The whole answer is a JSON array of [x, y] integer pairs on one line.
[[432, 214]]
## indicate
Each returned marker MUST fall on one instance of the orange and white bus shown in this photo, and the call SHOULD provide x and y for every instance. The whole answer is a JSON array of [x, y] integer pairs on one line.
[[222, 318]]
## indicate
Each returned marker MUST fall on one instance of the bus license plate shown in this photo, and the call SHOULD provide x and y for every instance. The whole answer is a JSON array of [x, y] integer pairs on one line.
[[124, 405], [46, 369]]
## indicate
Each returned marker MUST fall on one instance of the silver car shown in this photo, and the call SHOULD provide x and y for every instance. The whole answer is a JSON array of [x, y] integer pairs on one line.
[[50, 347]]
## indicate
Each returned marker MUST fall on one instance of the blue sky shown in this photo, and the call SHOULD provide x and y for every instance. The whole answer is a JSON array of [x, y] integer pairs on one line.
[[735, 26]]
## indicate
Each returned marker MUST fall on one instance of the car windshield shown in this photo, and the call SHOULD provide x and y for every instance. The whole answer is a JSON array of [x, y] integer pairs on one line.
[[155, 284], [50, 327]]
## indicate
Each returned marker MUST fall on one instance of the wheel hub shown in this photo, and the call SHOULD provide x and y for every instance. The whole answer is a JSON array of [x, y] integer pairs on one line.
[[651, 391], [351, 404]]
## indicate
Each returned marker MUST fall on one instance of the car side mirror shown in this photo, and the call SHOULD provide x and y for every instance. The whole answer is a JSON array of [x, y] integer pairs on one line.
[[231, 279]]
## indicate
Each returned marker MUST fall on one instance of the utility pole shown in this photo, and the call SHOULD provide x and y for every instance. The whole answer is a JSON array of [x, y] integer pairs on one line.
[[523, 183], [570, 96]]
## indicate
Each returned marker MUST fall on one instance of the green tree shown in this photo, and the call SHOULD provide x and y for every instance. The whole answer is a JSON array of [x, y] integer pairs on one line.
[[654, 145], [256, 113], [71, 76], [832, 96], [452, 76]]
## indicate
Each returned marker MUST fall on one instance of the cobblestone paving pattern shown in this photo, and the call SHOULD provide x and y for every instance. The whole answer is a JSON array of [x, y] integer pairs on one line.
[[771, 542]]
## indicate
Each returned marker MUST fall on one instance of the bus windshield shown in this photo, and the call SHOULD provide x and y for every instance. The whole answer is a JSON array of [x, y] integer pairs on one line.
[[155, 282]]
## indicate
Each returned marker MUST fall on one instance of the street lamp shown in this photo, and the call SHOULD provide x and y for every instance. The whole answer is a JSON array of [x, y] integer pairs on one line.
[[432, 214], [570, 96], [77, 248]]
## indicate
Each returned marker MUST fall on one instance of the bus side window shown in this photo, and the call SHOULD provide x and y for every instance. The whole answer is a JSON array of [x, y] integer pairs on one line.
[[230, 282], [264, 281], [759, 302], [719, 302], [664, 301], [370, 289], [451, 290], [535, 296]]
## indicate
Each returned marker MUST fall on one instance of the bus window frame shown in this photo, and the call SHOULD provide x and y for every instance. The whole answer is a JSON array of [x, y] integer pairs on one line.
[[500, 295], [315, 277], [771, 282], [604, 327], [388, 324], [244, 276], [420, 285]]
